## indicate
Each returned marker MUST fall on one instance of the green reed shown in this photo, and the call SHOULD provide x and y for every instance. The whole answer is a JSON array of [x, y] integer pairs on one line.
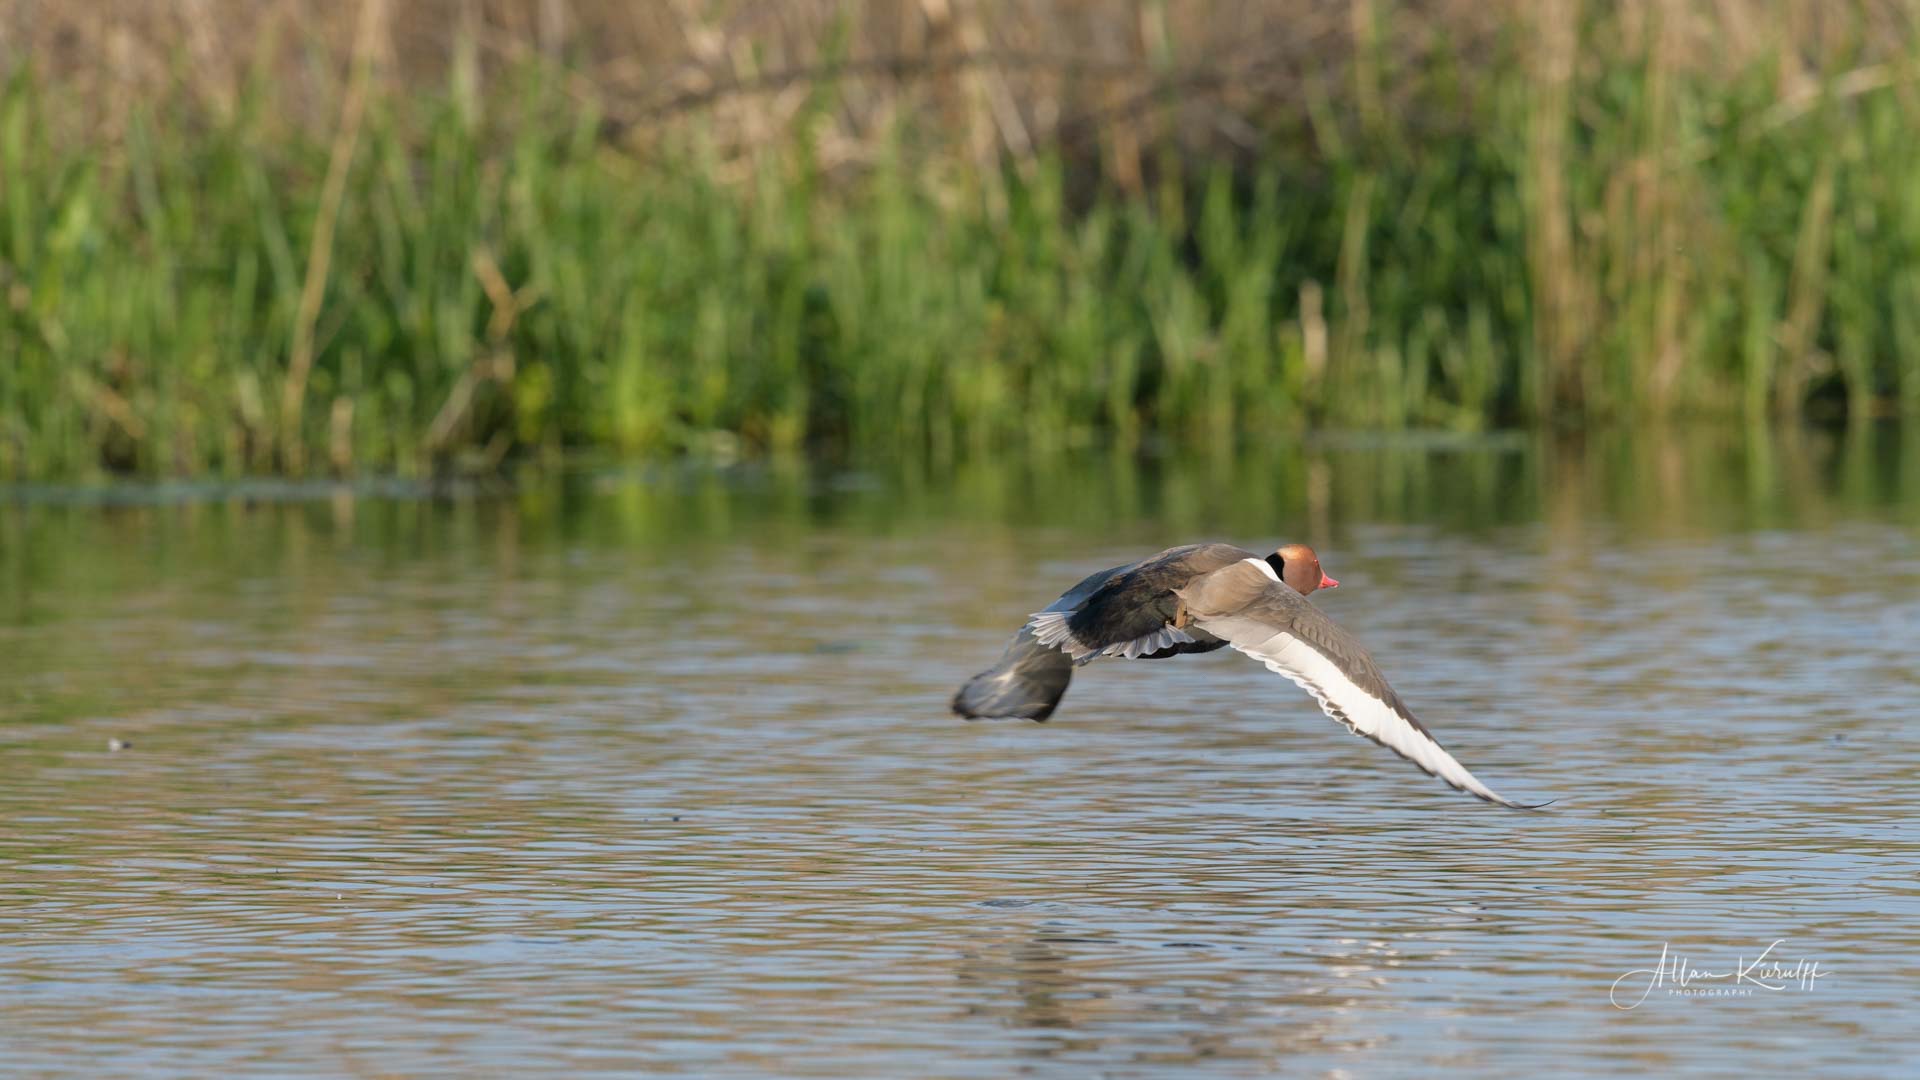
[[500, 281]]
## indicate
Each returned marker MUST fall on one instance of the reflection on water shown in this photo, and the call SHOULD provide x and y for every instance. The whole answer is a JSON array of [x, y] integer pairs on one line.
[[650, 770]]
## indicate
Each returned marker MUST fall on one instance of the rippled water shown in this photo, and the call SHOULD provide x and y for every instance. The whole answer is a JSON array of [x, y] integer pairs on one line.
[[651, 771]]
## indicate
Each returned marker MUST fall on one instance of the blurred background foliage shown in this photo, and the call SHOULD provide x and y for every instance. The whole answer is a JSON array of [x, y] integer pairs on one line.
[[251, 236]]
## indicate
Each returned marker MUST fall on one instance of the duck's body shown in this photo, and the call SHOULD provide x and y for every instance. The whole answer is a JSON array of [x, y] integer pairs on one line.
[[1109, 608], [1199, 598], [1132, 613]]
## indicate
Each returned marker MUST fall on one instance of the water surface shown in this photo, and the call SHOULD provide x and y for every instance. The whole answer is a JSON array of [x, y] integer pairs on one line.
[[649, 770]]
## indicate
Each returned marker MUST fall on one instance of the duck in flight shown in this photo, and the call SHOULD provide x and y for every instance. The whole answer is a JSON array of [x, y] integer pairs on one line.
[[1196, 599]]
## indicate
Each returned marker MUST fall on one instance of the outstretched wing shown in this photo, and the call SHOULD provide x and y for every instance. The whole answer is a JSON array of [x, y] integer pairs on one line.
[[1250, 608]]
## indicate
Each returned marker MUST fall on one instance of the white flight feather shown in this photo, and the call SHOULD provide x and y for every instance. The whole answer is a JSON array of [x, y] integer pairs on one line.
[[1344, 700], [1050, 629]]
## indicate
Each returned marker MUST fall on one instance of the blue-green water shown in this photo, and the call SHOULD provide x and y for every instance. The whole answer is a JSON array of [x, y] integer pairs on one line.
[[650, 771]]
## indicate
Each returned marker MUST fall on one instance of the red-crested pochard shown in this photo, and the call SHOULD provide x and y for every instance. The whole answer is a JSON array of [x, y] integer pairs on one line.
[[1199, 598]]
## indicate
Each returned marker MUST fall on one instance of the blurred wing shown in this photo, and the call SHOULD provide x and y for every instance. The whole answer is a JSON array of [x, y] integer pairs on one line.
[[1028, 682], [1030, 678]]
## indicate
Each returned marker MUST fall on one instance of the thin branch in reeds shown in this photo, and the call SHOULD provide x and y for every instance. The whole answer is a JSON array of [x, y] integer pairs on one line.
[[320, 248]]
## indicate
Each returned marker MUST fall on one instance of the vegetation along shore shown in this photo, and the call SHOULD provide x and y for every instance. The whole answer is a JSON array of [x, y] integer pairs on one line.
[[241, 238]]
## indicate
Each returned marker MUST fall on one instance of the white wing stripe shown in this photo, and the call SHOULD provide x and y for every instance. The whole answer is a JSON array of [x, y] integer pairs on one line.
[[1343, 699], [1050, 629]]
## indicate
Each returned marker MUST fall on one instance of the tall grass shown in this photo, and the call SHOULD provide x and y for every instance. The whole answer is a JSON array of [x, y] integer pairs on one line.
[[1554, 218]]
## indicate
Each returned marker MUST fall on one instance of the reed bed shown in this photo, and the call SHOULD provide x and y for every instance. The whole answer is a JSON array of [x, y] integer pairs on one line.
[[294, 237]]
